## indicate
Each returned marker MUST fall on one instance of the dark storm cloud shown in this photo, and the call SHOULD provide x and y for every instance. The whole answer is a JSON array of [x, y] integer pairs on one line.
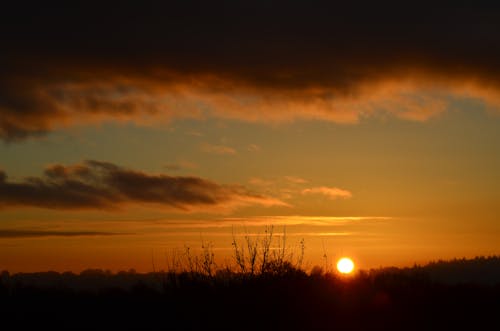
[[103, 58], [9, 234], [95, 184]]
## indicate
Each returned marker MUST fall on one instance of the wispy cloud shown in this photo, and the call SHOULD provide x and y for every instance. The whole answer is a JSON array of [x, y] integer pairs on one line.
[[97, 185], [296, 180], [290, 187], [330, 192], [285, 187], [262, 221], [303, 220], [8, 234], [325, 234], [217, 149], [253, 148]]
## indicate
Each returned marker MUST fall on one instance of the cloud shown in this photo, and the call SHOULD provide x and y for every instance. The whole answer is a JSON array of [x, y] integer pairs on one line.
[[252, 61], [284, 187], [102, 185], [218, 149], [253, 148], [9, 234], [295, 180], [330, 192], [304, 220]]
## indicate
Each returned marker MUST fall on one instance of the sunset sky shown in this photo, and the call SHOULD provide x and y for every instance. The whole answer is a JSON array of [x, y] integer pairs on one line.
[[133, 129]]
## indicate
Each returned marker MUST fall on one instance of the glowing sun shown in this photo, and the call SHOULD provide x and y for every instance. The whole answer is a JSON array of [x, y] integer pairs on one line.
[[345, 265]]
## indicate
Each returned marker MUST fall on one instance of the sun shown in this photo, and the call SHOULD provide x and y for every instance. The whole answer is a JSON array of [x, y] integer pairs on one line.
[[345, 265]]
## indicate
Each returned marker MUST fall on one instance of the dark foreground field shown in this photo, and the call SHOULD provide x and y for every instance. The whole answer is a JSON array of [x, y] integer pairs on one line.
[[460, 294]]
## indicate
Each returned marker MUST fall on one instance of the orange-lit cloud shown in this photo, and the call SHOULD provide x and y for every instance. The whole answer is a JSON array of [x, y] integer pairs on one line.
[[16, 233], [253, 148], [217, 149], [289, 187], [295, 180], [298, 220], [47, 107], [285, 187], [246, 61], [102, 185], [330, 192]]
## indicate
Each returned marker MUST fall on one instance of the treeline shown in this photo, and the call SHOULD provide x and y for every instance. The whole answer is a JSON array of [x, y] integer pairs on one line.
[[279, 296], [480, 270]]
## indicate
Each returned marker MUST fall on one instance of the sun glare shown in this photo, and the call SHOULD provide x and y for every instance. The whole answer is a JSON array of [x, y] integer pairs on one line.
[[345, 265]]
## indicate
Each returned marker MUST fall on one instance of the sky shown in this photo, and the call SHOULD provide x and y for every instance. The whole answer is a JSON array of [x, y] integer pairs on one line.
[[129, 131]]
